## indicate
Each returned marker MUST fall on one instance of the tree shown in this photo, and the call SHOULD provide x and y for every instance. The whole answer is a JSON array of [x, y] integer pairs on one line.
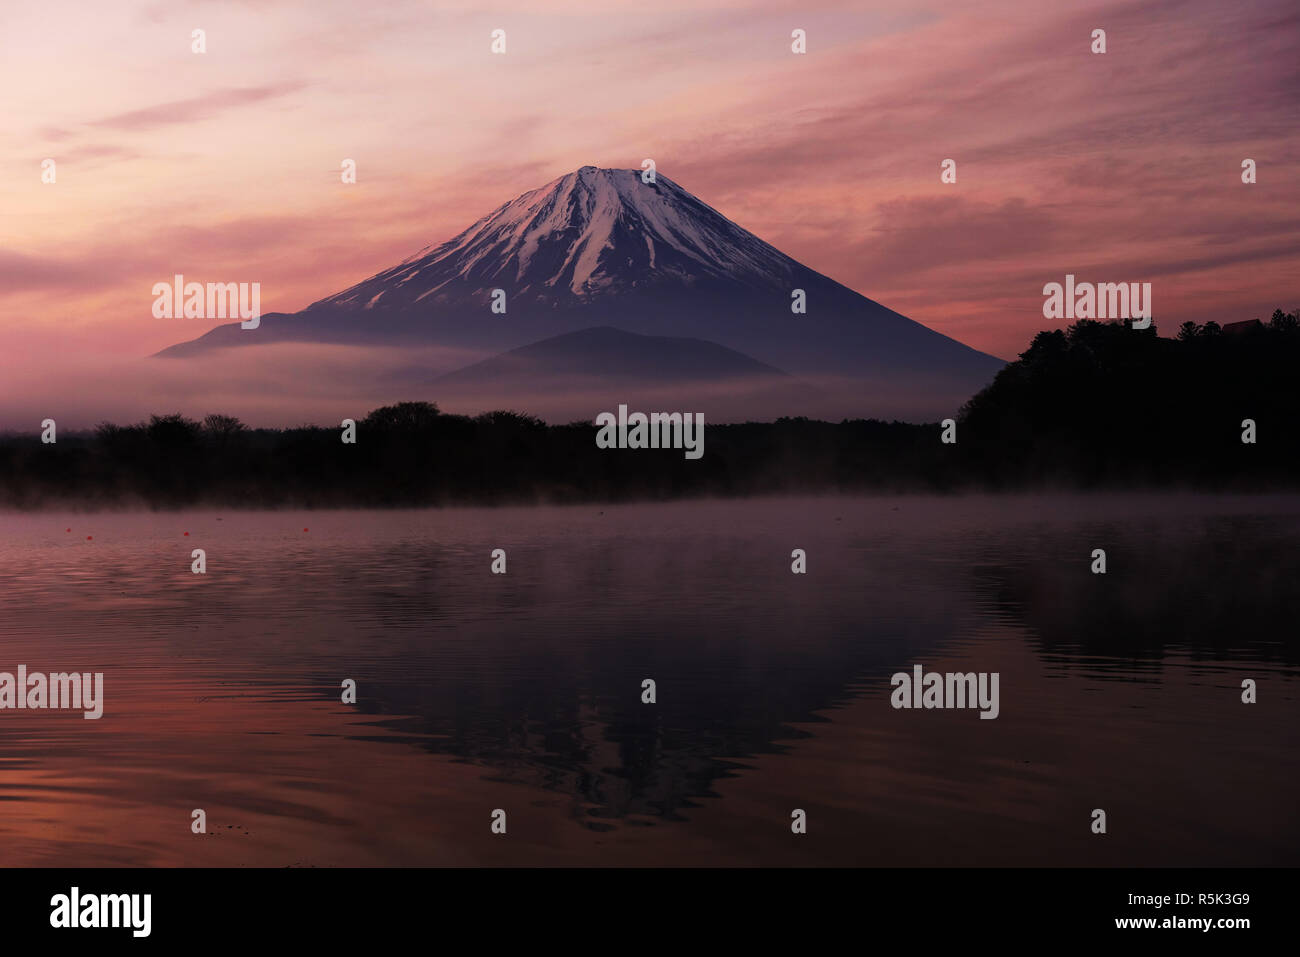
[[172, 430], [501, 418], [403, 416], [223, 427], [1283, 322]]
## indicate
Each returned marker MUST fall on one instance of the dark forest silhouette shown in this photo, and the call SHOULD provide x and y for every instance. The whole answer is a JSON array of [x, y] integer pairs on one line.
[[1098, 405]]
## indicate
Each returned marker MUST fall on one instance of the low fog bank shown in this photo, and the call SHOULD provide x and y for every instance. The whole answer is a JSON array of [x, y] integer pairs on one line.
[[283, 385]]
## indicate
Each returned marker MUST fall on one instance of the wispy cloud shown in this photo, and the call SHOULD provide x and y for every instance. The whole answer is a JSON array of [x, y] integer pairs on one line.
[[202, 107]]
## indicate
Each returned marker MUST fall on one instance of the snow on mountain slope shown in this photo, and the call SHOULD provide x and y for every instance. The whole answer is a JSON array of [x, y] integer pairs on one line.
[[590, 233]]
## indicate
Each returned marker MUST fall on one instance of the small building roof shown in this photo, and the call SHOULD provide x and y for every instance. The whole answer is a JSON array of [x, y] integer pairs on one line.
[[1243, 326]]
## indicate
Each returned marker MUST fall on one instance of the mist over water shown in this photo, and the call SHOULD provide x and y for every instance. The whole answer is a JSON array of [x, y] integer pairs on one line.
[[478, 691]]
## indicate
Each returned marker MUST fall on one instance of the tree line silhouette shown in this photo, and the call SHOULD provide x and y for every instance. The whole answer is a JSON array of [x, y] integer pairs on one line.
[[1097, 405]]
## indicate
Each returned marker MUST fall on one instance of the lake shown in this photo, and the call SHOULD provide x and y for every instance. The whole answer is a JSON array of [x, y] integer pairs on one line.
[[523, 692]]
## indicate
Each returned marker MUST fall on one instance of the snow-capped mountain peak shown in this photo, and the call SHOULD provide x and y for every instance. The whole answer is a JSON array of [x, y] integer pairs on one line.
[[590, 232]]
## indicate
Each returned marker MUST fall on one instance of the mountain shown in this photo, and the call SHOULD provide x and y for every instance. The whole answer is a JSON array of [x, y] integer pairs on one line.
[[609, 353], [566, 377], [602, 248]]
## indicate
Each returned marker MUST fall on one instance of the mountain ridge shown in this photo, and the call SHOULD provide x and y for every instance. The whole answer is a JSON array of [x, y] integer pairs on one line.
[[607, 352]]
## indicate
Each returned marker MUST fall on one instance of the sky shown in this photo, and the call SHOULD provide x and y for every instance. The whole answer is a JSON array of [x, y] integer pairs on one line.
[[225, 165]]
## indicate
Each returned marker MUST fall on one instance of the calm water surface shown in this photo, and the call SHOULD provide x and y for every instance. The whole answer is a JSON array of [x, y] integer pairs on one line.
[[523, 692]]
